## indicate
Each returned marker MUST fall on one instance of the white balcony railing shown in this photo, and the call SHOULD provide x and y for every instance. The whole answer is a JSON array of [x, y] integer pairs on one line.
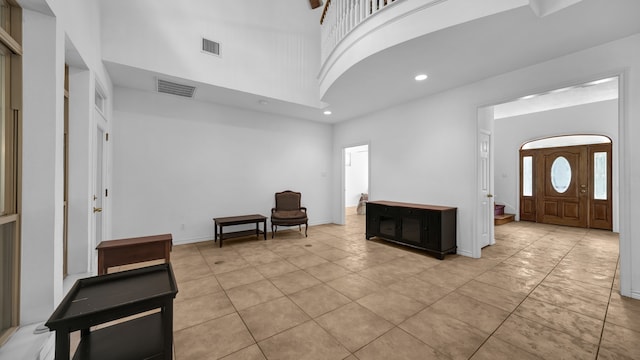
[[339, 17]]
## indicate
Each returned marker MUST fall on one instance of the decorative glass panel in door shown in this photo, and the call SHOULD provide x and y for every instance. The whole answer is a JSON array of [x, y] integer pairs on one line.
[[600, 176], [560, 174]]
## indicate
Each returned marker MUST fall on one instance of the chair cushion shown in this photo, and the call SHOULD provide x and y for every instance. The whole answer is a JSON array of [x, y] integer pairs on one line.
[[288, 201], [289, 215]]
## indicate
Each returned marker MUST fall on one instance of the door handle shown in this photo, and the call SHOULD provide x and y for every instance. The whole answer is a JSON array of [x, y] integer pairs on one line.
[[97, 210], [489, 195]]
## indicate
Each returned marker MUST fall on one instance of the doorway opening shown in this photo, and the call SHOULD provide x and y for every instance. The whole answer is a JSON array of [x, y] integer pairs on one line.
[[356, 181], [566, 180], [583, 108]]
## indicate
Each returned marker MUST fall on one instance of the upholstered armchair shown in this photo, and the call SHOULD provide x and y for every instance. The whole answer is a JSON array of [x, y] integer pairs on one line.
[[288, 212]]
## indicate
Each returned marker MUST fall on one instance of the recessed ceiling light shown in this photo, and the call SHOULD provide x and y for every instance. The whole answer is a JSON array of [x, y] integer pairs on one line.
[[263, 102], [421, 77], [327, 112]]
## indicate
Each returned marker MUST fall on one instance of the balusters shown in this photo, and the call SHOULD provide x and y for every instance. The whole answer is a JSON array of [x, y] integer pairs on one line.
[[342, 16]]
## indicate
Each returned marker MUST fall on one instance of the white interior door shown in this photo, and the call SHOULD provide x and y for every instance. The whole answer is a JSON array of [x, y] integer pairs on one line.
[[99, 193], [485, 181]]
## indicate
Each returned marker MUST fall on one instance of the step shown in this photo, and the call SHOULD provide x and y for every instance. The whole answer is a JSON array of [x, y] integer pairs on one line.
[[503, 219]]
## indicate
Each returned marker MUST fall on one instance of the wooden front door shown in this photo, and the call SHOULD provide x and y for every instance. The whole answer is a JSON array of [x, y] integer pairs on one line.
[[568, 186], [562, 184]]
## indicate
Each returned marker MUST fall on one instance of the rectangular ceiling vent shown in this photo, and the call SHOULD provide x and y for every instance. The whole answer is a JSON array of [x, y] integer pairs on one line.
[[168, 87], [210, 46]]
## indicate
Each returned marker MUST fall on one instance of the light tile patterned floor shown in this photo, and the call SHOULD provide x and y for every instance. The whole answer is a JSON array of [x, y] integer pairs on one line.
[[541, 292]]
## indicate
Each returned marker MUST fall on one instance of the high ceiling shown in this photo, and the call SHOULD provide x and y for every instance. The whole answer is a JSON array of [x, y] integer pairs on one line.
[[451, 57]]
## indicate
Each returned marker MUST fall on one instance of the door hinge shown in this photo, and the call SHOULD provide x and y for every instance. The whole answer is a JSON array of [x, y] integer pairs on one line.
[[106, 136], [106, 192]]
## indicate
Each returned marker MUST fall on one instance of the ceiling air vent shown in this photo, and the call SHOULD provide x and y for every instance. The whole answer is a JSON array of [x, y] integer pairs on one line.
[[168, 87], [210, 46]]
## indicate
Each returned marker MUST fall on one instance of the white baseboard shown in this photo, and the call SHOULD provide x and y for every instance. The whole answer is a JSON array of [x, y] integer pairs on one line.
[[193, 240], [464, 253], [48, 349], [24, 344]]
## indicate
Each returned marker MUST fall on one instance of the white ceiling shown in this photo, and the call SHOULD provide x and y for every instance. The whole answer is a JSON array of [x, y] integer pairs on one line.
[[600, 90], [452, 57]]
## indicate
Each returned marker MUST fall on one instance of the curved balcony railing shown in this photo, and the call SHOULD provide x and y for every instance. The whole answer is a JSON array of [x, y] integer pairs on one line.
[[339, 17], [352, 30]]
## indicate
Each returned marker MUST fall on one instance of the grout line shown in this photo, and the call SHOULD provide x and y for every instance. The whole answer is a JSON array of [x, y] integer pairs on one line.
[[604, 322], [526, 297], [480, 272]]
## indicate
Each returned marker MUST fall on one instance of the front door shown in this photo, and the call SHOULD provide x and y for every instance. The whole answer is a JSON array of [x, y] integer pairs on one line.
[[568, 185], [562, 183]]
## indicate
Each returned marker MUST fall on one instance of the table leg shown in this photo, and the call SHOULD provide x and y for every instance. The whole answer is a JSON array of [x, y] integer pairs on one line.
[[221, 236], [62, 344], [167, 322], [101, 270], [258, 229], [215, 232], [264, 228]]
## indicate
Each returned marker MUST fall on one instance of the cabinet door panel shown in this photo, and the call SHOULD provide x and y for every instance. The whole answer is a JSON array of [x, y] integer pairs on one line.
[[410, 229], [432, 235]]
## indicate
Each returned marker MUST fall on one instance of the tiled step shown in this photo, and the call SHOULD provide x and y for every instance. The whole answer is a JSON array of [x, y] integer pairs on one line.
[[503, 219]]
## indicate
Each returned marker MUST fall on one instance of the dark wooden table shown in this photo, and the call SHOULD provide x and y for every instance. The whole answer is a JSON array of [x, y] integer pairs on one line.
[[133, 250], [221, 222], [100, 299]]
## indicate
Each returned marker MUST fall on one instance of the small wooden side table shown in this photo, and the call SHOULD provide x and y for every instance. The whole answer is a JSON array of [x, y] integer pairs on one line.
[[101, 299], [240, 220], [133, 250]]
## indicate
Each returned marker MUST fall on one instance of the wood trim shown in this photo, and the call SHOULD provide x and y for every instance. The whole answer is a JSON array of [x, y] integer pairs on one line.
[[8, 219], [7, 334], [10, 42], [15, 22]]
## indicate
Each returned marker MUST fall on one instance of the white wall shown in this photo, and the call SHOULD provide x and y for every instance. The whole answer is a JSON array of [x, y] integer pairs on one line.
[[178, 161], [425, 151], [42, 177], [47, 36], [80, 139], [412, 157], [356, 174], [512, 132], [269, 48]]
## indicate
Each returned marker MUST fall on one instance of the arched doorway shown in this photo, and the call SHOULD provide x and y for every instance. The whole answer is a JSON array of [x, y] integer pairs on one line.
[[566, 180]]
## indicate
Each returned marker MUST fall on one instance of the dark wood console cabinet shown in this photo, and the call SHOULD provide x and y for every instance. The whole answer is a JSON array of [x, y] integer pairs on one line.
[[427, 227]]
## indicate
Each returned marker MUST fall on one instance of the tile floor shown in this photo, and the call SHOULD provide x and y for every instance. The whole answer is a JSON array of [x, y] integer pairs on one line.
[[541, 292]]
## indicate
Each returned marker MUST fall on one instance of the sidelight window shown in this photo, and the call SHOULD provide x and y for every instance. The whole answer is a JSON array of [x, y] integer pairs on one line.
[[600, 176], [527, 175]]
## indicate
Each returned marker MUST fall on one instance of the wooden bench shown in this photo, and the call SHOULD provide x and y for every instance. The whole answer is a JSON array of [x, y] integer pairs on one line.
[[133, 250], [221, 222]]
